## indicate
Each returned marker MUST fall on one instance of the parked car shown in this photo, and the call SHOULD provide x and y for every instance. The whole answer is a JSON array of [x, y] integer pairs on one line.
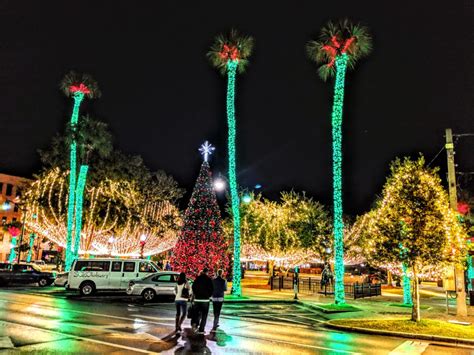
[[61, 279], [159, 284], [108, 274], [25, 273]]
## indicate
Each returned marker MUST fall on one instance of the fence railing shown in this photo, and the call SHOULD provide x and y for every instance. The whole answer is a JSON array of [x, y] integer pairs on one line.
[[311, 285]]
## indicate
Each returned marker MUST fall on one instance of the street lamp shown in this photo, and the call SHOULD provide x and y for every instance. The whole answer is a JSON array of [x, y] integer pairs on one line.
[[142, 244], [219, 184]]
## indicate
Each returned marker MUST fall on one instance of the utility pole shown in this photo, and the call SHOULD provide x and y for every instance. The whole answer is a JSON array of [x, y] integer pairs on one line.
[[453, 202]]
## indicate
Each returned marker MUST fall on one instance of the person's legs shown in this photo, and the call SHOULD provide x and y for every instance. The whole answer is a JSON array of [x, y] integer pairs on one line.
[[204, 312], [216, 306], [178, 312], [183, 314], [196, 316]]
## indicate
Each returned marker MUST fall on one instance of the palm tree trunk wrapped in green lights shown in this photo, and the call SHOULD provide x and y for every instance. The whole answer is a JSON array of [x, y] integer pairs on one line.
[[339, 46], [77, 86], [230, 55]]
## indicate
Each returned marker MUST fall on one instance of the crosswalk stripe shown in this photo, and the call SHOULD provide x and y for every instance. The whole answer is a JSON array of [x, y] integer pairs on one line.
[[410, 347]]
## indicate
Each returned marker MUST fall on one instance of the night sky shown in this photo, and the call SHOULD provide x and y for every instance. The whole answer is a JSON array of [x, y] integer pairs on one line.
[[162, 98]]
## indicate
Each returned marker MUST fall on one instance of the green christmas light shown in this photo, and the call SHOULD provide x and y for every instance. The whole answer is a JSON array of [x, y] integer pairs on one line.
[[341, 66], [234, 195], [12, 256], [78, 97], [70, 208], [406, 285], [470, 271], [81, 184], [30, 251]]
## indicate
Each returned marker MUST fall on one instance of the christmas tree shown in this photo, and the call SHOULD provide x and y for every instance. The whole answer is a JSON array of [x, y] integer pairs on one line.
[[201, 242]]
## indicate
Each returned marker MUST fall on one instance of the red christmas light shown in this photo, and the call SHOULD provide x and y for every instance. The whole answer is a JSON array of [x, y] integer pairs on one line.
[[79, 88], [14, 231], [463, 208], [229, 52], [337, 47], [201, 242]]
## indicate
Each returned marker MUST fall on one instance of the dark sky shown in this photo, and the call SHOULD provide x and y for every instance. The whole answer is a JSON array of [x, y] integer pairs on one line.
[[162, 99]]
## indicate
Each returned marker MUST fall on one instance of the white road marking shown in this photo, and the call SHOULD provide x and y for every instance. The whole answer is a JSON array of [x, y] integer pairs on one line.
[[101, 342], [92, 313], [410, 347], [6, 343], [333, 351]]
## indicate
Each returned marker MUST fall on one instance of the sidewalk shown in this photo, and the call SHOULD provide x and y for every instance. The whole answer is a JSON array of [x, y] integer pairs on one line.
[[432, 301]]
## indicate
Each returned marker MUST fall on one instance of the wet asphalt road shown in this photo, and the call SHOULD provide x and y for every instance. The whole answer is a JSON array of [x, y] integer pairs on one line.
[[52, 321]]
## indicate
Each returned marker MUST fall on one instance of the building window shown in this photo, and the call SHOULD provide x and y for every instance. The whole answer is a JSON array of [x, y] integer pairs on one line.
[[1, 188], [9, 190], [14, 219], [15, 209]]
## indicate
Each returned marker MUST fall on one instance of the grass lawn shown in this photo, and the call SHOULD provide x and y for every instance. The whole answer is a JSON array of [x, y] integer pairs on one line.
[[407, 305], [334, 308], [232, 297], [425, 326]]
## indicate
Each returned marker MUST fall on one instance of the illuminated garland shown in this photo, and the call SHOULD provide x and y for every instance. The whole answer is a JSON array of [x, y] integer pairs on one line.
[[470, 271], [341, 66], [126, 219], [78, 97], [30, 251], [81, 184], [406, 285], [231, 73], [13, 245]]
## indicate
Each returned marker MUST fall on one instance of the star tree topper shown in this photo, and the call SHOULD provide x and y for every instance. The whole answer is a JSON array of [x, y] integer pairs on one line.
[[206, 150]]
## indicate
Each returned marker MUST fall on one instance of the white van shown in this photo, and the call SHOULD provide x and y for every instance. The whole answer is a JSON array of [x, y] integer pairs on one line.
[[108, 274]]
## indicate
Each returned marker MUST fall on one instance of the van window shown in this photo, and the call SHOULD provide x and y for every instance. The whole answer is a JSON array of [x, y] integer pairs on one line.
[[129, 266], [89, 265], [146, 267], [116, 266]]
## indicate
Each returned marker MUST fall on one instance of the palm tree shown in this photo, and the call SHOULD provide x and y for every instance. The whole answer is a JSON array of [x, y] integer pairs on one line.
[[76, 86], [229, 54], [339, 46], [90, 135]]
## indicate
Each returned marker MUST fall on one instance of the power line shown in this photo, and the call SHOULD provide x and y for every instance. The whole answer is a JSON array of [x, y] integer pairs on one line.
[[432, 160]]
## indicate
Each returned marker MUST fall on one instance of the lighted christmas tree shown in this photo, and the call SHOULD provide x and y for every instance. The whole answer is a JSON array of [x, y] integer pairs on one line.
[[201, 242]]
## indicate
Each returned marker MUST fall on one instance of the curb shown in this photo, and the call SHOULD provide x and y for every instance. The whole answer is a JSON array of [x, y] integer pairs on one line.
[[326, 311], [400, 334], [262, 301]]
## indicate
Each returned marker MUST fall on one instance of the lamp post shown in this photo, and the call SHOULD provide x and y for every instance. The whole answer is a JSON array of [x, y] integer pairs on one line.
[[142, 244]]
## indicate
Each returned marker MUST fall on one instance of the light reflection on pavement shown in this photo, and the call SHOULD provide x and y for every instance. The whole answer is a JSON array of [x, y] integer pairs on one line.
[[37, 323]]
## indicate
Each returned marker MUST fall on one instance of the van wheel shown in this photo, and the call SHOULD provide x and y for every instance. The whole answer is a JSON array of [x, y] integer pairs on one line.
[[87, 288], [148, 295], [42, 282]]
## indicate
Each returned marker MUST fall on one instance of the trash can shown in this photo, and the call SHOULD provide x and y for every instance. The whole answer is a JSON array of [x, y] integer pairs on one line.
[[471, 298]]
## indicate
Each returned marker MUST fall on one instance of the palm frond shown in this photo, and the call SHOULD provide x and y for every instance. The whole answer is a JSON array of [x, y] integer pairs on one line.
[[230, 47], [73, 78], [336, 38]]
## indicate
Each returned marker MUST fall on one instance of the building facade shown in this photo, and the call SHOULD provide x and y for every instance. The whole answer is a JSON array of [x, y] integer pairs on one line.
[[10, 191]]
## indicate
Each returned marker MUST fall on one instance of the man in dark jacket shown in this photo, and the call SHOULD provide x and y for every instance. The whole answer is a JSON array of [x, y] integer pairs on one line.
[[202, 291], [220, 286]]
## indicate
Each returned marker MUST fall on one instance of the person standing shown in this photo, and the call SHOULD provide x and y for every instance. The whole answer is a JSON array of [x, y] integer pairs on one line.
[[220, 286], [182, 291], [202, 291]]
